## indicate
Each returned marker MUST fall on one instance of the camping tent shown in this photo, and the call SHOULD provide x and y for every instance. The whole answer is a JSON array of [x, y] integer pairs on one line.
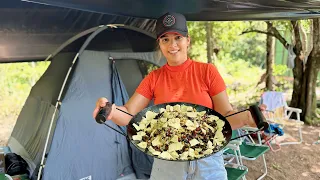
[[57, 116]]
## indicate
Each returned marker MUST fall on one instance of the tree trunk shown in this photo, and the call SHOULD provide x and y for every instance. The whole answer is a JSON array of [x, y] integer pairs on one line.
[[297, 70], [209, 37], [304, 89], [270, 58], [310, 76]]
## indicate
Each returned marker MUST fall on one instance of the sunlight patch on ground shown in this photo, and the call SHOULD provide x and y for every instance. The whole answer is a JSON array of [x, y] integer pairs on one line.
[[285, 138], [310, 132], [295, 129], [313, 127], [315, 168], [315, 131], [307, 148], [305, 174]]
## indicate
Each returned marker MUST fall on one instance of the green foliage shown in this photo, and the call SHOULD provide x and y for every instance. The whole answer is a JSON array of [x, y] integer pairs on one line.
[[306, 24], [198, 41], [279, 69], [228, 38], [284, 83], [282, 26], [241, 79], [16, 80], [315, 120], [249, 47]]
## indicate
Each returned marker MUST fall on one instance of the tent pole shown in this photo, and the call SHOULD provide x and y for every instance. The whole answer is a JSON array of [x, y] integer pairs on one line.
[[54, 113], [83, 47]]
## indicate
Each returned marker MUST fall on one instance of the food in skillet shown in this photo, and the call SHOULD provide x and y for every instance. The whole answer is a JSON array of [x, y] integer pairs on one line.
[[179, 133]]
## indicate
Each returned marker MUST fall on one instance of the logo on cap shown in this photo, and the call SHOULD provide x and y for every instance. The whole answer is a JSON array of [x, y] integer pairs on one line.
[[169, 20]]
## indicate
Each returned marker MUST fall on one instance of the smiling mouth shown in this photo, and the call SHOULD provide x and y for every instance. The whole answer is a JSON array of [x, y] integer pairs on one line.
[[173, 52]]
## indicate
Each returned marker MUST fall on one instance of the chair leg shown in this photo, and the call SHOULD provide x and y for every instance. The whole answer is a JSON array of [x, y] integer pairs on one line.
[[269, 143], [264, 160], [297, 142], [300, 134], [239, 160], [239, 157], [265, 168]]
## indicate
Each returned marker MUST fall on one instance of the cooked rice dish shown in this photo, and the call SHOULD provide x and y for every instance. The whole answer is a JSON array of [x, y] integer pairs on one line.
[[179, 133]]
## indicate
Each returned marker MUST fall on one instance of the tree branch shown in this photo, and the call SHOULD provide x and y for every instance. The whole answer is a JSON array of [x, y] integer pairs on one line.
[[257, 31], [274, 32], [298, 45], [278, 35]]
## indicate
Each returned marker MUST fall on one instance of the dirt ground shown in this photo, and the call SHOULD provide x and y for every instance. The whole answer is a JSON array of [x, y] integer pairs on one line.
[[6, 127], [292, 162]]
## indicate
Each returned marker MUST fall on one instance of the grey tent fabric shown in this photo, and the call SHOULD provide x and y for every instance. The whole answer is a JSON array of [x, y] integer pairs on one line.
[[119, 93], [78, 147], [89, 144], [91, 71], [30, 131], [142, 163], [120, 97], [29, 144]]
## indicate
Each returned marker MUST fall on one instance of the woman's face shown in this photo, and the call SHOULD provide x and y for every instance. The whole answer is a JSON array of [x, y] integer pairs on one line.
[[175, 48]]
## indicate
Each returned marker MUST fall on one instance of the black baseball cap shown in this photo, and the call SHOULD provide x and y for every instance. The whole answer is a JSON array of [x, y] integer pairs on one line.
[[171, 22]]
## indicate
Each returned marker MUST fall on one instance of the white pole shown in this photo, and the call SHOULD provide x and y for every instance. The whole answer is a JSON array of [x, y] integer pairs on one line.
[[54, 113]]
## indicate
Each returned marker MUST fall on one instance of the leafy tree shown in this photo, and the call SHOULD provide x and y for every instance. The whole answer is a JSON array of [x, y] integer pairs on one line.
[[306, 63], [227, 39], [16, 80]]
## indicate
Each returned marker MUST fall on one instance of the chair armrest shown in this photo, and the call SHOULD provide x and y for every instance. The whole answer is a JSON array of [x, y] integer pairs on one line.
[[237, 166], [246, 128], [235, 142], [297, 110], [232, 146]]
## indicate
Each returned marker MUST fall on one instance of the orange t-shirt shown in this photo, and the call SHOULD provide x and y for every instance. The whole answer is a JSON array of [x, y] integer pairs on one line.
[[191, 82]]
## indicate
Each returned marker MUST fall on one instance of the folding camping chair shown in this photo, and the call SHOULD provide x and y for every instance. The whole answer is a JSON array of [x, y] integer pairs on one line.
[[237, 170], [278, 112], [249, 150]]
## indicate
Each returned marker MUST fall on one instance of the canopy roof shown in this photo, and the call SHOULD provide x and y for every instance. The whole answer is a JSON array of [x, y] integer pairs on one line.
[[197, 10], [31, 31]]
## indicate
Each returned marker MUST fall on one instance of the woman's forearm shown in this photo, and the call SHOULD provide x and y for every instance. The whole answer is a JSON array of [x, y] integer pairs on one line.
[[135, 104], [241, 119], [121, 118]]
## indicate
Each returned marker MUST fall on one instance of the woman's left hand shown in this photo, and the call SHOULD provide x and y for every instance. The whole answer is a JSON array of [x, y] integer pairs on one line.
[[250, 121], [262, 107]]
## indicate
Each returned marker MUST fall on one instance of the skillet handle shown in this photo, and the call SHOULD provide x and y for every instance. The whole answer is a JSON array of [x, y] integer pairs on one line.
[[122, 133], [245, 135], [258, 117], [103, 113]]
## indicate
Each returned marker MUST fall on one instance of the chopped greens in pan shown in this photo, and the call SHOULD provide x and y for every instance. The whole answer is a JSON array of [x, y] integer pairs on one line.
[[179, 133]]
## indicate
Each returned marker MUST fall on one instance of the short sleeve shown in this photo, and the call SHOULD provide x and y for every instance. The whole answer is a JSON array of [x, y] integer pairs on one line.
[[146, 87], [215, 82]]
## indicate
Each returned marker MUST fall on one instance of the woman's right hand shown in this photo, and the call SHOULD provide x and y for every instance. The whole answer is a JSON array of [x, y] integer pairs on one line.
[[102, 102]]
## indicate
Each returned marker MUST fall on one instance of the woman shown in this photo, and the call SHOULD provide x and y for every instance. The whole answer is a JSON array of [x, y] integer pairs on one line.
[[181, 80]]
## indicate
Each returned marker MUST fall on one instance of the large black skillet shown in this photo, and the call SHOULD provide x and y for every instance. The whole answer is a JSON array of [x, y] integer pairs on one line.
[[227, 131]]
